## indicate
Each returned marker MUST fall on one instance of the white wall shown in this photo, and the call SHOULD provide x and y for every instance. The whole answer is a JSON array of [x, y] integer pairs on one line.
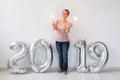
[[29, 20]]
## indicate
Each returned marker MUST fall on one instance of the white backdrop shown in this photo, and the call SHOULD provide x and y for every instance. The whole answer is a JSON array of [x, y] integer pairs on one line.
[[29, 20]]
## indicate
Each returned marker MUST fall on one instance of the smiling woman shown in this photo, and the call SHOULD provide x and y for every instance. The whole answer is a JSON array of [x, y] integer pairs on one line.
[[62, 28]]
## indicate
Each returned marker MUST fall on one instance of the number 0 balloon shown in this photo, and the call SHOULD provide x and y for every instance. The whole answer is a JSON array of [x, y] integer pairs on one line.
[[48, 62]]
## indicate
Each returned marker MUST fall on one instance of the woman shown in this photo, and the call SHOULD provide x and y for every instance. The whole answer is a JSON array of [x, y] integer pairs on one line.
[[62, 27]]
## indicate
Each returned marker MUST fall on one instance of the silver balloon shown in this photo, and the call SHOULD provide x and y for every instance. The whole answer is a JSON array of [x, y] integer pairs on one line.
[[12, 63], [99, 52], [41, 67], [81, 46]]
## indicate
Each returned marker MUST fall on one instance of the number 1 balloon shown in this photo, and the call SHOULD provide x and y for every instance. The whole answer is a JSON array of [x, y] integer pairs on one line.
[[81, 45]]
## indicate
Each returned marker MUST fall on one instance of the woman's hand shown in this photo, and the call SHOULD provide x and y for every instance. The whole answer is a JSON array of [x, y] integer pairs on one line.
[[68, 27], [54, 24]]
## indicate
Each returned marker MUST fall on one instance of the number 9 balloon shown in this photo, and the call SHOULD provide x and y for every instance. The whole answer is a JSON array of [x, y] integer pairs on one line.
[[98, 51]]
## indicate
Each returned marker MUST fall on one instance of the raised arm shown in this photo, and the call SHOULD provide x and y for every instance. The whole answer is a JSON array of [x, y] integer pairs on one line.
[[54, 24], [68, 27]]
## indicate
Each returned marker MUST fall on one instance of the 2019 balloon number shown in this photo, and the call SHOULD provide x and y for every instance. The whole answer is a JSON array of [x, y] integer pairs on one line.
[[97, 50]]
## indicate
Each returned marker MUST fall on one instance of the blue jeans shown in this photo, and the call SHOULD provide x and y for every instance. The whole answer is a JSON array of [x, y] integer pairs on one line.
[[62, 49]]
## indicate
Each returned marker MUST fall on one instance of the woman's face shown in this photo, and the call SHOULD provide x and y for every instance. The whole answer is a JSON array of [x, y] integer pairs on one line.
[[65, 14]]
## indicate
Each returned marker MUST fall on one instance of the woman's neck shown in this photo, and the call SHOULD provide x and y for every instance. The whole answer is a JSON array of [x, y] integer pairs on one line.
[[63, 20]]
